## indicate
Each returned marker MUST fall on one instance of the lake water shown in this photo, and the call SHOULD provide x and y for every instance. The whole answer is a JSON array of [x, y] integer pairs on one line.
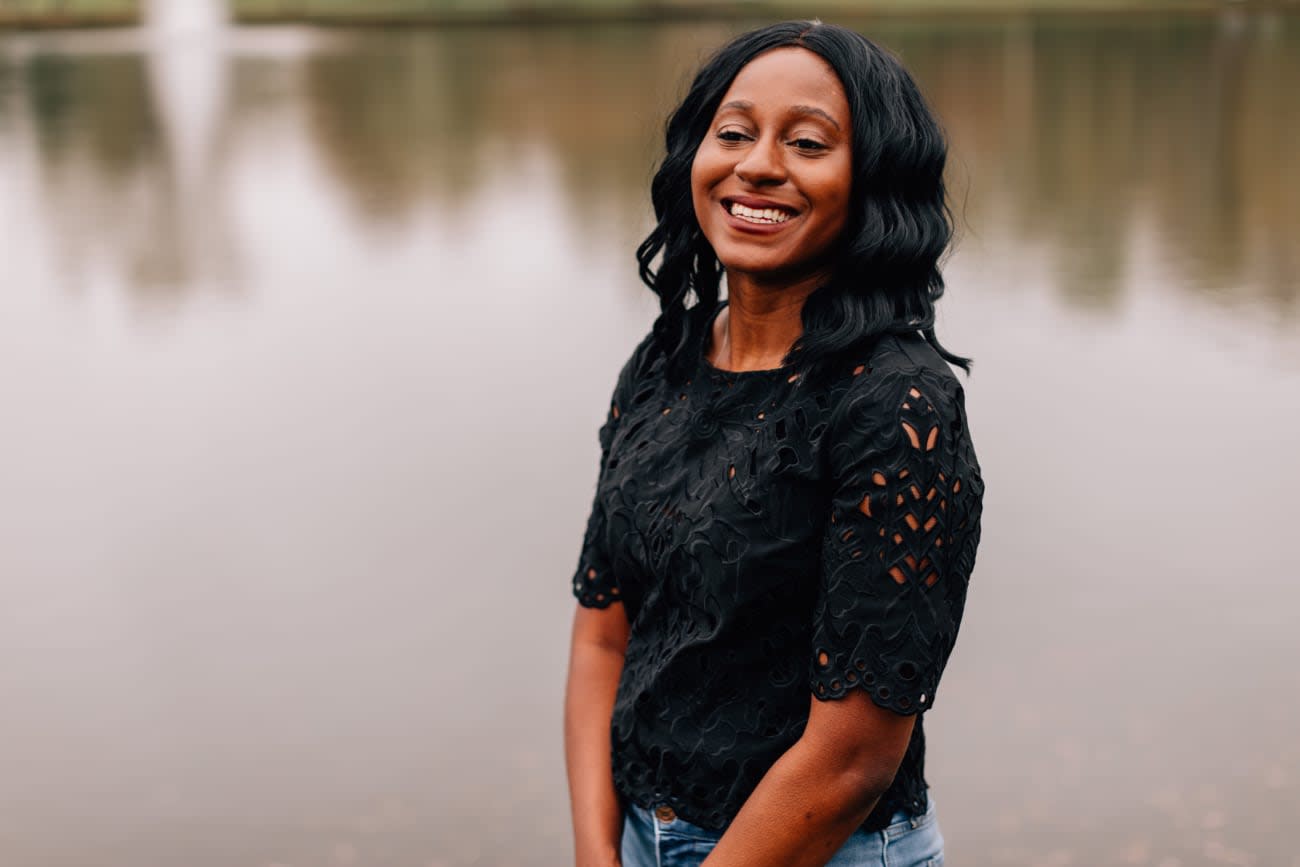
[[305, 337]]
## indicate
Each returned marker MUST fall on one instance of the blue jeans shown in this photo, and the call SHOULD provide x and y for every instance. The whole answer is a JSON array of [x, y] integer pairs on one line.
[[658, 838]]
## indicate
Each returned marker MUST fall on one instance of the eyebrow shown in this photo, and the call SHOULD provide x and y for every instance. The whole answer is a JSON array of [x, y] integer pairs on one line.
[[746, 105]]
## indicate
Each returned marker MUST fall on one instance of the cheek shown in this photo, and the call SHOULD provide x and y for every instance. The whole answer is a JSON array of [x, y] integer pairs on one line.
[[703, 172], [842, 212], [836, 197]]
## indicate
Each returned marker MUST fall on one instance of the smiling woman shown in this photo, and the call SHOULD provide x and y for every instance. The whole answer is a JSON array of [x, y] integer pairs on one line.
[[784, 128], [788, 507]]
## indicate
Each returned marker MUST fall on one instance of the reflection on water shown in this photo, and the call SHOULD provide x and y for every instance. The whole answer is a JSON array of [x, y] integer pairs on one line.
[[281, 582], [1084, 137], [96, 149], [1181, 129]]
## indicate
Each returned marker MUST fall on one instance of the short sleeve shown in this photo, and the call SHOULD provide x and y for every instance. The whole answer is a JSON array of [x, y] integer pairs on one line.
[[900, 540], [594, 584]]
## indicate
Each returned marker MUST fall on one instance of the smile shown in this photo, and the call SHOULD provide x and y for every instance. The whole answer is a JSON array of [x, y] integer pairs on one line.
[[760, 216]]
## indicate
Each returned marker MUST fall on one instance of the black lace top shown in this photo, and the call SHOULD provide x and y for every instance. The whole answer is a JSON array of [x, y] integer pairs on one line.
[[767, 539]]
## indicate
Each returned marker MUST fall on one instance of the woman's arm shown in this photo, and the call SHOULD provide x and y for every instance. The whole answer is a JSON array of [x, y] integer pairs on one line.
[[820, 790], [596, 655]]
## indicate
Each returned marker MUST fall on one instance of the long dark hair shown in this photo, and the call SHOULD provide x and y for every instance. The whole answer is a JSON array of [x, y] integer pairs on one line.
[[886, 276]]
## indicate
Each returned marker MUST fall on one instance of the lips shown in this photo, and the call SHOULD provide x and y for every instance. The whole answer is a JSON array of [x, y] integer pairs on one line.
[[758, 212]]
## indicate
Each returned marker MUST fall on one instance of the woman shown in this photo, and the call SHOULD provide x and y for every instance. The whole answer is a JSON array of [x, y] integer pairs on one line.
[[788, 507]]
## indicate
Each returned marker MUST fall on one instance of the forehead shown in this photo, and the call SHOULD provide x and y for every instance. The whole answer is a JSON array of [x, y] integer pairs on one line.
[[789, 76]]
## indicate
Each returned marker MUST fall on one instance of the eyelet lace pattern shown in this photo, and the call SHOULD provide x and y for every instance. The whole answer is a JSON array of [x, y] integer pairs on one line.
[[768, 540]]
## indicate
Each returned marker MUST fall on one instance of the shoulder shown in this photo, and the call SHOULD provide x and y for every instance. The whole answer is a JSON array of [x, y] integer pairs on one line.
[[905, 407], [644, 355], [903, 354], [894, 371], [639, 366]]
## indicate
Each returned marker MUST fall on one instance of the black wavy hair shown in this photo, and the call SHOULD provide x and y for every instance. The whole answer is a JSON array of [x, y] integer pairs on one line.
[[885, 274]]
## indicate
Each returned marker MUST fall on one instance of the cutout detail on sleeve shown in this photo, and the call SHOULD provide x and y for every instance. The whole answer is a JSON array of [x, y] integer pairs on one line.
[[894, 577]]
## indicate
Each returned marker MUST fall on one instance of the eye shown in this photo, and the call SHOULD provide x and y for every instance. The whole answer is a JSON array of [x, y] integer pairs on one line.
[[807, 144], [732, 135]]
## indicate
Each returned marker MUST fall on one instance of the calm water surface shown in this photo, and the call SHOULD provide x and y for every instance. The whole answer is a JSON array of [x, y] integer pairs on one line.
[[305, 337]]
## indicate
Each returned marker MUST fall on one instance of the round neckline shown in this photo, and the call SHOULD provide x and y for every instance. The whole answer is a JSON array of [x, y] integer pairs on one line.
[[707, 338]]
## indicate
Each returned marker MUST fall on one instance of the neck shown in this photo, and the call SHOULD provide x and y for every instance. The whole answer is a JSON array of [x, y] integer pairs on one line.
[[761, 322]]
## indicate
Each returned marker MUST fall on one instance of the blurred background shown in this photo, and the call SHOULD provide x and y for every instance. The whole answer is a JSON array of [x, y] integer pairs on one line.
[[306, 332]]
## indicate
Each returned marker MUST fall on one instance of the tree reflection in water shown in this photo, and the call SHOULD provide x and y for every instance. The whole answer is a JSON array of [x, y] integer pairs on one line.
[[1077, 136]]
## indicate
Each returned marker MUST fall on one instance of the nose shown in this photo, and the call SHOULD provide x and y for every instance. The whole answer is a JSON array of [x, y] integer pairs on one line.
[[762, 164]]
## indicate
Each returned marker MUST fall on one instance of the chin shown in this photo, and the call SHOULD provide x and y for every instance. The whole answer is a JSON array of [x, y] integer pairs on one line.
[[755, 262], [765, 268]]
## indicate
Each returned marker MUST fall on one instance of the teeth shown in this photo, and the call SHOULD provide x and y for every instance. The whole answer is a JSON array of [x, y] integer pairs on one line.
[[758, 215]]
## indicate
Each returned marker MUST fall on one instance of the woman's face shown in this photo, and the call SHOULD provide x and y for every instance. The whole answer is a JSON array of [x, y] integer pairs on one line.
[[772, 177]]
